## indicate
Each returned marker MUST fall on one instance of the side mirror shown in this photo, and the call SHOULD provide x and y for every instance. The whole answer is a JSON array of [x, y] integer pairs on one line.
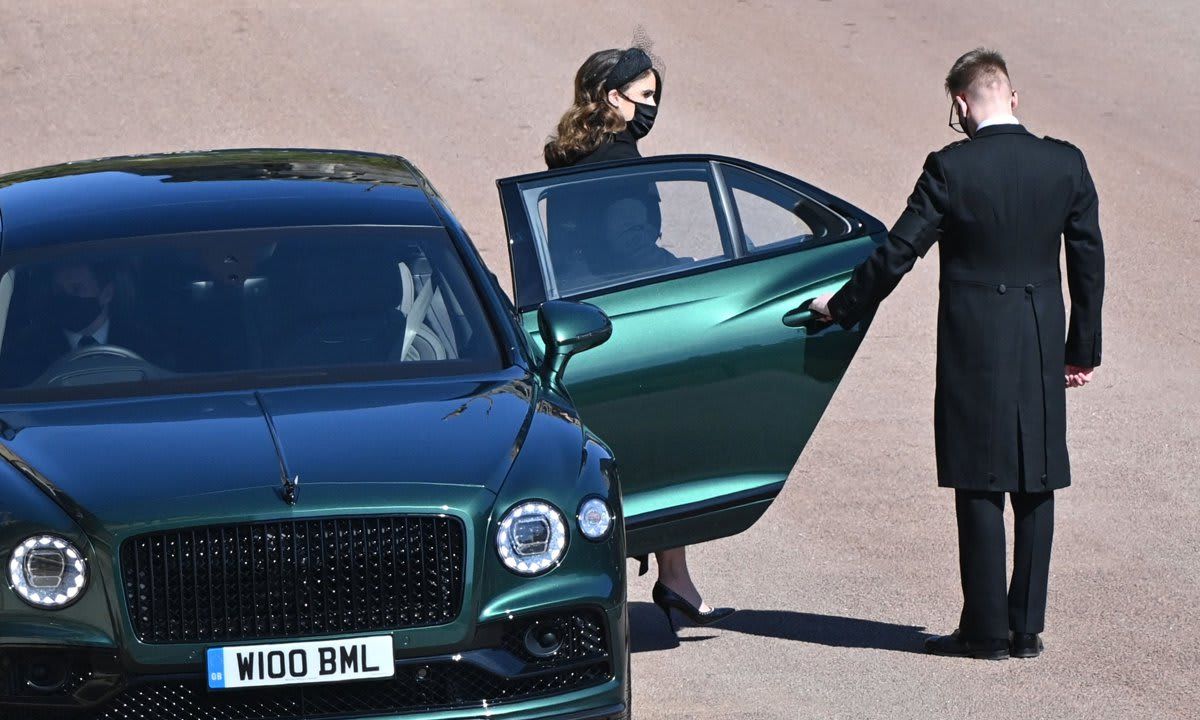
[[568, 328]]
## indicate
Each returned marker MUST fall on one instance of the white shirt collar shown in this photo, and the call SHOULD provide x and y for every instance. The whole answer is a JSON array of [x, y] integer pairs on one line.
[[101, 335], [998, 120]]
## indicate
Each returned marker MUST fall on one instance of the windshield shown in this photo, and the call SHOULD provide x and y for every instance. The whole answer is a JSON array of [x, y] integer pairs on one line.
[[237, 310]]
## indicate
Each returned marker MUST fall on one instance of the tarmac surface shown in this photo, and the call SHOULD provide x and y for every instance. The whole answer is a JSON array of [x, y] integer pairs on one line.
[[856, 562]]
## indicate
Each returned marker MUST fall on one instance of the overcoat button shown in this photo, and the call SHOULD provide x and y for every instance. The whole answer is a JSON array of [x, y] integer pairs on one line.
[[1044, 480], [1029, 289], [1001, 288], [992, 478]]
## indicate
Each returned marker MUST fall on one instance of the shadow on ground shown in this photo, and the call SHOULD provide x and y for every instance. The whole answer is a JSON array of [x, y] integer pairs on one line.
[[649, 631]]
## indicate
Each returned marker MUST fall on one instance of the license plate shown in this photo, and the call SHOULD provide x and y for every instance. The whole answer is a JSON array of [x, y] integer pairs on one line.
[[300, 662]]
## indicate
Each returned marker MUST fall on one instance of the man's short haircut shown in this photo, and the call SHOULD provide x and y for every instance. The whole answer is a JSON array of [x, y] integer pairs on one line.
[[976, 65]]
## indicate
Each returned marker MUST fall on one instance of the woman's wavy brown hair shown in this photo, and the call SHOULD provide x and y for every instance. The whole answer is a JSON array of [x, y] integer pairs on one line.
[[590, 118]]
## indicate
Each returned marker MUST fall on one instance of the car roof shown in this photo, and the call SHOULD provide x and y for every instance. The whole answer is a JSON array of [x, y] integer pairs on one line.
[[209, 190]]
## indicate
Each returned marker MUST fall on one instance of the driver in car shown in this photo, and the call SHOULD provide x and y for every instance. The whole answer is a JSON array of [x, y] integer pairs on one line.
[[78, 315], [79, 305]]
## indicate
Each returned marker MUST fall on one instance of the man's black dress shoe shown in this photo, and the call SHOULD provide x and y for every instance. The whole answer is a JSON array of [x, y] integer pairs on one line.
[[1025, 645], [954, 645]]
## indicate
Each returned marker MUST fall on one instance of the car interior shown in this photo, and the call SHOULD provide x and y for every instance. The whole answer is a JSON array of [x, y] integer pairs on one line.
[[249, 306], [610, 230], [629, 225]]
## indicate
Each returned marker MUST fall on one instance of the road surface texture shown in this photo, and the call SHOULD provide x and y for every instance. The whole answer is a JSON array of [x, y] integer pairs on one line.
[[856, 562]]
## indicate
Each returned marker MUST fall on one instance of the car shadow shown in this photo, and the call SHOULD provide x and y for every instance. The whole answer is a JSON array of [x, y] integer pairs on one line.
[[649, 631]]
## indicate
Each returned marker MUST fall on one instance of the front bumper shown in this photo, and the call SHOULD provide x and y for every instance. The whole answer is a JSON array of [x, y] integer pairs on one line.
[[497, 677]]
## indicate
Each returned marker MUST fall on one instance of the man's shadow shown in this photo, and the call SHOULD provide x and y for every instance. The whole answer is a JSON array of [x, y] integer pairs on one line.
[[649, 631]]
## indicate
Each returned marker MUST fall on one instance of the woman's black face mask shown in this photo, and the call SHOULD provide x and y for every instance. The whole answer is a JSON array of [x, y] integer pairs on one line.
[[74, 313], [643, 118]]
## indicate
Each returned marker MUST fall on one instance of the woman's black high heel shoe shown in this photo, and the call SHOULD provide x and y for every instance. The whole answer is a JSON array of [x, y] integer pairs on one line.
[[666, 599]]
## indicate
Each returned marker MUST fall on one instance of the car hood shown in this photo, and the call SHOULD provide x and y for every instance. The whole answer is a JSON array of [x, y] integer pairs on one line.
[[119, 466]]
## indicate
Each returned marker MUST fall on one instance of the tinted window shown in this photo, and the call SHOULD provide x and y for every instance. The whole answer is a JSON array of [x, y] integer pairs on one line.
[[625, 226], [772, 215], [238, 309]]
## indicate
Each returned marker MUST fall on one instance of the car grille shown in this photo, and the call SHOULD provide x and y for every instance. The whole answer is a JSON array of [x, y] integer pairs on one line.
[[293, 578], [442, 686], [583, 661]]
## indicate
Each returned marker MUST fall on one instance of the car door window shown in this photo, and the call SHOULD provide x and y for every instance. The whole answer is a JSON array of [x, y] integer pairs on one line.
[[772, 215], [625, 226]]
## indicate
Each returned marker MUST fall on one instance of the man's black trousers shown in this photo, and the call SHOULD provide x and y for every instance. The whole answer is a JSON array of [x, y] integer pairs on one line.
[[992, 606]]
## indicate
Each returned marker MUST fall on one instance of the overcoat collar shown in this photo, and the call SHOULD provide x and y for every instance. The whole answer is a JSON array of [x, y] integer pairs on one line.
[[1005, 129]]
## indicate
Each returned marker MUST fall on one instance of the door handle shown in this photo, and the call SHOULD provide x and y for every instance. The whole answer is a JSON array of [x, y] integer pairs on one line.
[[799, 316], [804, 317]]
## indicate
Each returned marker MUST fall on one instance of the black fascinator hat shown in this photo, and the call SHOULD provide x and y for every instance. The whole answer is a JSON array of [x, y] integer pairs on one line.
[[635, 61], [632, 64]]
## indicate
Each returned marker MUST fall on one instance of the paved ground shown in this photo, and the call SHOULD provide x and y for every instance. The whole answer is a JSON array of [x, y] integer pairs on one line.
[[841, 579]]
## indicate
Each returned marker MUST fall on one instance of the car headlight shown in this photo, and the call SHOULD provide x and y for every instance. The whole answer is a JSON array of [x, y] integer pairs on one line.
[[47, 571], [595, 519], [532, 537]]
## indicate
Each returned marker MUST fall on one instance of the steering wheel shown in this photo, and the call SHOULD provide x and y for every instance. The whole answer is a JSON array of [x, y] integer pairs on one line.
[[82, 353], [98, 364]]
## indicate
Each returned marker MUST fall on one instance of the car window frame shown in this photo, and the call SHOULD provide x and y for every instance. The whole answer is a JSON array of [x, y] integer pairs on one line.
[[525, 254], [536, 193], [765, 250]]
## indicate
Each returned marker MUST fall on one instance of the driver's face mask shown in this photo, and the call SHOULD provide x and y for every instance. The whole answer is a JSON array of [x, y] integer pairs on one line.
[[74, 313]]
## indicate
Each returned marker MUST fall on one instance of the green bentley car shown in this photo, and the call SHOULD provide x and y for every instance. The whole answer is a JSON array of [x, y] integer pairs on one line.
[[275, 444]]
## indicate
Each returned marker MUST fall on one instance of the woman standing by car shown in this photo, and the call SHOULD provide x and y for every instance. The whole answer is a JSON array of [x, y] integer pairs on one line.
[[617, 93], [616, 101]]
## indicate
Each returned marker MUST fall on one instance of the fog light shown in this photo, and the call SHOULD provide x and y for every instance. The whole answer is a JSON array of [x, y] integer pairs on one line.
[[541, 641], [46, 675]]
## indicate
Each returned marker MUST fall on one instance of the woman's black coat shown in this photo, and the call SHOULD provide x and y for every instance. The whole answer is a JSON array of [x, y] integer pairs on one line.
[[620, 146]]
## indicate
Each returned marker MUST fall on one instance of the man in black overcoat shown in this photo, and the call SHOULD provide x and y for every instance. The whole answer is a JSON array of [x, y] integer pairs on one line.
[[1001, 204]]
